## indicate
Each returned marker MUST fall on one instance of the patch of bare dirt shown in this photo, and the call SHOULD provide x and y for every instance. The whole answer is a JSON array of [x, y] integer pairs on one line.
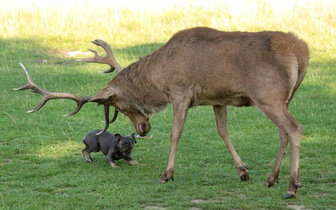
[[296, 207], [219, 199], [201, 201], [155, 207], [5, 161]]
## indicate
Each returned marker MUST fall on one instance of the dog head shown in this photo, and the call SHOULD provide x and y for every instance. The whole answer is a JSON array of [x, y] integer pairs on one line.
[[126, 143]]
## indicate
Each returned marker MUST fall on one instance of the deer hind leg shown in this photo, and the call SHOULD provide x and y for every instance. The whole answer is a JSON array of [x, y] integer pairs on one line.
[[221, 122], [180, 111], [290, 130], [273, 177]]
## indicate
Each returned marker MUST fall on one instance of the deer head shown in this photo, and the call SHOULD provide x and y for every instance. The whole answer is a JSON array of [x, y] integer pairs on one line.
[[111, 95], [114, 94]]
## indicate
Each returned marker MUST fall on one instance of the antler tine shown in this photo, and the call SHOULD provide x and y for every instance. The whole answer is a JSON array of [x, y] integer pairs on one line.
[[30, 83], [108, 59], [114, 116], [34, 88], [46, 95], [107, 115], [29, 78], [79, 106], [107, 123]]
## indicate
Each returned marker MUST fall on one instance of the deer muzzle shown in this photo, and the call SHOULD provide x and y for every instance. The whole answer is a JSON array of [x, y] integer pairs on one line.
[[143, 129]]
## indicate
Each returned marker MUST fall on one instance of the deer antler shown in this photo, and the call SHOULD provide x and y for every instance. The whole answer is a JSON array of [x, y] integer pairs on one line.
[[47, 95], [109, 59], [51, 95]]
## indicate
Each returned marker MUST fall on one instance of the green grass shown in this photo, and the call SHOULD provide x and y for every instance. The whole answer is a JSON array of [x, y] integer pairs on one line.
[[41, 165]]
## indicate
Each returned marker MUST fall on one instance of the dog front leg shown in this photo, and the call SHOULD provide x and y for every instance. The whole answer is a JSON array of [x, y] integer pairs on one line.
[[111, 161], [132, 161]]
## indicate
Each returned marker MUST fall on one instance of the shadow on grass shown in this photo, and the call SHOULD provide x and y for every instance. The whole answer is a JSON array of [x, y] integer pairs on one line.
[[37, 163]]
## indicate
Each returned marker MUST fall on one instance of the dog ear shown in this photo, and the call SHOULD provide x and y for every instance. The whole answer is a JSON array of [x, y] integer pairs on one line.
[[133, 136], [117, 136]]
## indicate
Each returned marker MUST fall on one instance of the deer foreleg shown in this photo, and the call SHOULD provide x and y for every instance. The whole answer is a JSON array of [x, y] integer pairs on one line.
[[180, 111], [221, 122]]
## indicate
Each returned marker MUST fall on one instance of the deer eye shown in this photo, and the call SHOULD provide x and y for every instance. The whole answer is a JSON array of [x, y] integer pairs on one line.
[[122, 111]]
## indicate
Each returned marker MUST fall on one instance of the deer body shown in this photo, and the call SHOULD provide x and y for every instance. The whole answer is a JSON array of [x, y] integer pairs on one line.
[[203, 66], [216, 68]]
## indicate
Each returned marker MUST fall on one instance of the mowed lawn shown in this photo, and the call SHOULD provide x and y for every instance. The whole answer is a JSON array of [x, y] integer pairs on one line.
[[41, 164]]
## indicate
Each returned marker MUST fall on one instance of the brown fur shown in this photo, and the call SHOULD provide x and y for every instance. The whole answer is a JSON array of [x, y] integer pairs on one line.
[[203, 66], [215, 68]]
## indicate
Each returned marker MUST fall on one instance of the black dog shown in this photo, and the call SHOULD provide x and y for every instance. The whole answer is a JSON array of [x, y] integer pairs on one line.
[[113, 147]]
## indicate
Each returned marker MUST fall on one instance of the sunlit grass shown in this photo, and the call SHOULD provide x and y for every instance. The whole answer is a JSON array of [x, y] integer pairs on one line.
[[41, 165], [69, 25]]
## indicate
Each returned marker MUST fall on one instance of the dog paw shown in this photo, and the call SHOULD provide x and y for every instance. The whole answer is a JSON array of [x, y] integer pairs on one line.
[[113, 165], [133, 162], [142, 164]]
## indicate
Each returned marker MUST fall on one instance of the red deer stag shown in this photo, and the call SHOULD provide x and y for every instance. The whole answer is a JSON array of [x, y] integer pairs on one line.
[[203, 66]]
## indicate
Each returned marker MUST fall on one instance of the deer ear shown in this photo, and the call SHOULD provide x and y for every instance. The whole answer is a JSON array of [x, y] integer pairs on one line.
[[105, 94]]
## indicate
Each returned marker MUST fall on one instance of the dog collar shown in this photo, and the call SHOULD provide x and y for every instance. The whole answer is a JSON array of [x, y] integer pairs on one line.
[[120, 149]]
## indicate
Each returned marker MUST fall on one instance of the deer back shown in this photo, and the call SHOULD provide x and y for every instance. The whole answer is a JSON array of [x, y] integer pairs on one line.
[[216, 68]]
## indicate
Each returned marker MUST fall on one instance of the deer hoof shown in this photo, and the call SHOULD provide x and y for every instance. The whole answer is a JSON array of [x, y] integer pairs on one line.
[[165, 178], [298, 185], [164, 181], [289, 195], [244, 175], [271, 181]]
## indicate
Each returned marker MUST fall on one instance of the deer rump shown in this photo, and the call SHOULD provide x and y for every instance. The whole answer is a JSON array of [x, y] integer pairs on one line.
[[203, 66]]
